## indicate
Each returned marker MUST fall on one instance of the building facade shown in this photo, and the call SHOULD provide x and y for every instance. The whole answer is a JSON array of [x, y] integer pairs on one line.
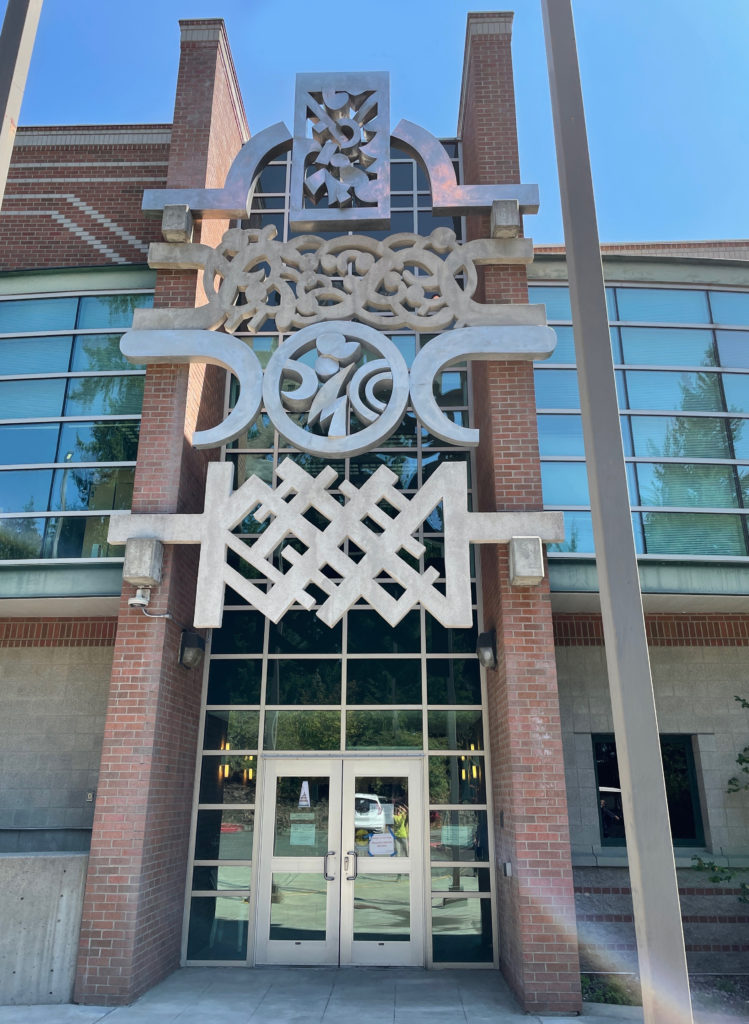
[[226, 813]]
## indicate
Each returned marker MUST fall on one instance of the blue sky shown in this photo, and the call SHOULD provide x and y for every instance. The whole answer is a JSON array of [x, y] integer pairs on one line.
[[664, 83]]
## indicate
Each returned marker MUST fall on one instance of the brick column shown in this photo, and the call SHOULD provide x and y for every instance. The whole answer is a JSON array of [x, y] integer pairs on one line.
[[132, 916], [537, 932]]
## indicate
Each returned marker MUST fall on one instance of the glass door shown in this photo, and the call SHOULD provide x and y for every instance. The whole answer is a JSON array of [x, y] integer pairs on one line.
[[341, 862]]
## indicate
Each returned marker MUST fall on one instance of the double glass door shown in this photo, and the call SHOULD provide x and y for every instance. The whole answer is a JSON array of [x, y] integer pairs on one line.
[[341, 862]]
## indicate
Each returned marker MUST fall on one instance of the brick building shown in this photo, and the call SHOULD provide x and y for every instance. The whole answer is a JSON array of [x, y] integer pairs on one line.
[[187, 815]]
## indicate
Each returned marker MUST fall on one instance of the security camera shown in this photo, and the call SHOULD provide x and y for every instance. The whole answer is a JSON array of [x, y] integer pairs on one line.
[[140, 598]]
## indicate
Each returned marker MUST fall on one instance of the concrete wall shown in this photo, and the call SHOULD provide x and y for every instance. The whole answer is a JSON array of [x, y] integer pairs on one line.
[[54, 701], [41, 897]]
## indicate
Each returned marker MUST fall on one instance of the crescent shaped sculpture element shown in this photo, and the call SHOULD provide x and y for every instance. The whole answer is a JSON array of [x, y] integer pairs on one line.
[[205, 347], [477, 343], [283, 363]]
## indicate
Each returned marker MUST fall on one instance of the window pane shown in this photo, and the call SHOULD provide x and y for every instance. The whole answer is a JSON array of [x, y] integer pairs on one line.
[[234, 681], [733, 348], [565, 349], [556, 300], [231, 730], [740, 432], [665, 346], [83, 489], [99, 352], [448, 641], [404, 465], [390, 681], [382, 908], [455, 730], [302, 633], [240, 633], [736, 387], [218, 928], [578, 533], [109, 396], [454, 879], [458, 836], [560, 435], [79, 537], [25, 490], [457, 780], [556, 389], [453, 681], [273, 178], [224, 835], [462, 930], [26, 315], [384, 730], [304, 682], [99, 442], [674, 533], [402, 177], [368, 633], [564, 483], [111, 310], [34, 355], [687, 485], [302, 730], [228, 779], [663, 305], [730, 307], [654, 389], [45, 397], [218, 877], [699, 437], [28, 443], [21, 538]]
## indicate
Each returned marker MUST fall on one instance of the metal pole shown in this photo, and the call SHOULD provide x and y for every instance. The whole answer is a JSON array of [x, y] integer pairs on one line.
[[655, 895], [16, 44]]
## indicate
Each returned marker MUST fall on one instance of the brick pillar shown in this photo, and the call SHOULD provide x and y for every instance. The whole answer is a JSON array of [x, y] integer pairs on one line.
[[132, 915], [537, 932]]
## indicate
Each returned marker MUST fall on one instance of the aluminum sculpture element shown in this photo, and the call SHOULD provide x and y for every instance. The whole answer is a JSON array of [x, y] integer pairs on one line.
[[324, 562], [341, 152], [354, 390], [404, 281]]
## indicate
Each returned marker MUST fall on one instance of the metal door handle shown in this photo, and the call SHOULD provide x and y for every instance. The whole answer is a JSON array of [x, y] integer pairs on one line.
[[354, 854], [326, 876]]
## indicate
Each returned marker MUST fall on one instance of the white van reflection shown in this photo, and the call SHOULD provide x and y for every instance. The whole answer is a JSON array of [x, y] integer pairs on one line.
[[368, 812]]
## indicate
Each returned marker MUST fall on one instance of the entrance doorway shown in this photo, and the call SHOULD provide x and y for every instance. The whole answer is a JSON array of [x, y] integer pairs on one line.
[[341, 862]]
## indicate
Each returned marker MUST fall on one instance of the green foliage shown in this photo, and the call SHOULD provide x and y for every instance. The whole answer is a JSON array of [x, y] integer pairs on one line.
[[736, 783], [619, 989], [720, 874]]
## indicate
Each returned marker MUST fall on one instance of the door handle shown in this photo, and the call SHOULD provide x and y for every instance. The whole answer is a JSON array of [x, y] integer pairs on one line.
[[355, 855], [326, 876]]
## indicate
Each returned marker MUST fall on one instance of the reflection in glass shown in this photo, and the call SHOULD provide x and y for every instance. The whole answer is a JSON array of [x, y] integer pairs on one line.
[[28, 443], [234, 681], [81, 489], [21, 538], [686, 485], [385, 681], [99, 352], [683, 533], [317, 681], [455, 730], [231, 730], [368, 633], [578, 533], [403, 464], [736, 387], [667, 346], [301, 632], [218, 928], [457, 779], [241, 633], [382, 908], [700, 437], [298, 907], [228, 780], [302, 730], [455, 879], [560, 435], [301, 821], [111, 310], [556, 389], [733, 347], [565, 483], [216, 877], [25, 490], [449, 641], [224, 835], [453, 681], [663, 305], [45, 397], [462, 930], [666, 389], [458, 836], [381, 817], [34, 355], [111, 396], [383, 730], [23, 316], [730, 307], [80, 537]]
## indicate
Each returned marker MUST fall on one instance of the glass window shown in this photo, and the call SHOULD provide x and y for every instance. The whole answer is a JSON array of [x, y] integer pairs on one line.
[[225, 835], [740, 433], [99, 442], [733, 348], [45, 397], [233, 681], [108, 396], [565, 483], [661, 389], [560, 435], [565, 350], [556, 389], [82, 489], [111, 310], [384, 730], [228, 779], [453, 681], [241, 633], [458, 835], [272, 178], [736, 388], [383, 681], [22, 316], [302, 730], [368, 633], [462, 930], [231, 730], [99, 352], [28, 443], [556, 300], [79, 537], [457, 779], [730, 307], [218, 927], [455, 730], [667, 346], [34, 355], [698, 437], [681, 791], [440, 640], [578, 533], [298, 681], [402, 177], [302, 633], [684, 533], [25, 490], [686, 485], [663, 305], [21, 538]]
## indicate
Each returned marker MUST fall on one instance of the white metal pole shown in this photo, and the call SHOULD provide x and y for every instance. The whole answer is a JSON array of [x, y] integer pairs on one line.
[[16, 44], [655, 894]]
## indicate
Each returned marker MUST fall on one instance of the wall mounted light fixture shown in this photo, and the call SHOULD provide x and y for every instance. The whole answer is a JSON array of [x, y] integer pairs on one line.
[[486, 649], [191, 649]]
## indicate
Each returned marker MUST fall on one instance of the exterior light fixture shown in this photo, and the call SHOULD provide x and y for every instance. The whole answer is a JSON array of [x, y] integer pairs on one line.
[[191, 649], [486, 649]]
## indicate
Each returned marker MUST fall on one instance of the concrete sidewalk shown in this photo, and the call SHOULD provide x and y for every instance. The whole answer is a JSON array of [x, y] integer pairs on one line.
[[318, 995]]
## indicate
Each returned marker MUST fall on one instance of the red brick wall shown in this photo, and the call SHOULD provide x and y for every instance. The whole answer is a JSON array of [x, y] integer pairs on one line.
[[132, 917], [73, 197], [57, 632], [693, 630], [732, 249], [537, 938]]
